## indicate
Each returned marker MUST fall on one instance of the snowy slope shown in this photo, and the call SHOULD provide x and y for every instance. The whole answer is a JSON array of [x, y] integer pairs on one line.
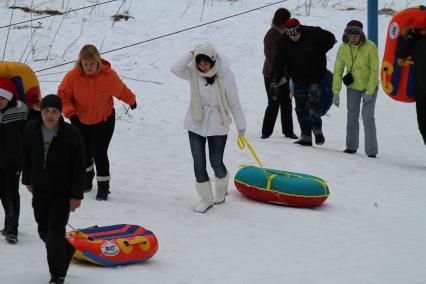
[[370, 230]]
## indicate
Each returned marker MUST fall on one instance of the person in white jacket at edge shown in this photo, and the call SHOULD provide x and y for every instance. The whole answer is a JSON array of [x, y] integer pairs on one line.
[[214, 96]]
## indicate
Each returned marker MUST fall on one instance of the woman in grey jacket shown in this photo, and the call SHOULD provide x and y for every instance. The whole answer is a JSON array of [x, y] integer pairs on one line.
[[214, 97]]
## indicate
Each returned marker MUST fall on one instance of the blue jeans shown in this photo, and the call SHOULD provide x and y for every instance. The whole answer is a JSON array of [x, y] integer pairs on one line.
[[308, 108], [216, 150]]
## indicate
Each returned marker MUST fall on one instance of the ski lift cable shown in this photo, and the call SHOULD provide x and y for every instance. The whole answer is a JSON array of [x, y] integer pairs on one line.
[[66, 12], [169, 34]]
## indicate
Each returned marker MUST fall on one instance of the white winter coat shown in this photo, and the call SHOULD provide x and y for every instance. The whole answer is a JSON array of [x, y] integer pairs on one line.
[[211, 124]]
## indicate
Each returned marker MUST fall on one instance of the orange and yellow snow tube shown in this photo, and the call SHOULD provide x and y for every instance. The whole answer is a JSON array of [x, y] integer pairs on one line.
[[25, 80], [397, 74], [113, 245]]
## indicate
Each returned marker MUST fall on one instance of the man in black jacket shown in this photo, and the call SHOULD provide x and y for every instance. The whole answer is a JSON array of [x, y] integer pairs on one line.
[[414, 45], [302, 49], [13, 117], [54, 171]]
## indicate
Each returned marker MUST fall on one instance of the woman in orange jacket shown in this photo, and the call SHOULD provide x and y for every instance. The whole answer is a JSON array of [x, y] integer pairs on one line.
[[87, 93]]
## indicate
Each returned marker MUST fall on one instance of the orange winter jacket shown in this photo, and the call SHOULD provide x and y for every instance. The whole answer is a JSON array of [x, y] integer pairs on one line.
[[91, 97]]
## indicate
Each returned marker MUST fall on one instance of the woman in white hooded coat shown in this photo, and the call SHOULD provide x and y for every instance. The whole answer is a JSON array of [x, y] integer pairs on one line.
[[214, 97]]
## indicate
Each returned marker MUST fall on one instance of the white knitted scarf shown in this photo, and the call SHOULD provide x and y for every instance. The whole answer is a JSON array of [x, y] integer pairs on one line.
[[196, 109]]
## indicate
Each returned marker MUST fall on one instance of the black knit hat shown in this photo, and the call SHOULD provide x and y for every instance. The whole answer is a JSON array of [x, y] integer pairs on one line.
[[52, 101]]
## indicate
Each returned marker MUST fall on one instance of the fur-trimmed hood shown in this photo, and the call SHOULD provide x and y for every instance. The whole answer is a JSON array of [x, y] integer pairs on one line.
[[215, 55]]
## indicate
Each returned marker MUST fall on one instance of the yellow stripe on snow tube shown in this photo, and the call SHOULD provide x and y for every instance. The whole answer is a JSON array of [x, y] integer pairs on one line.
[[25, 80]]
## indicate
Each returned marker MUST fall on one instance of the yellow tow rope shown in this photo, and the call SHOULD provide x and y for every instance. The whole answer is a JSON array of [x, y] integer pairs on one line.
[[242, 142]]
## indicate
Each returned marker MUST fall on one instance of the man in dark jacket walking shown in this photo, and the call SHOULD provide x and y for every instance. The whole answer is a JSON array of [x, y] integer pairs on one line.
[[414, 44], [13, 117], [302, 50], [54, 171]]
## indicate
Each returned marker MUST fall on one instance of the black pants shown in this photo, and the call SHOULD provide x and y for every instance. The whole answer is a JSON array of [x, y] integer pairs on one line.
[[283, 101], [51, 214], [10, 199], [97, 138], [216, 150], [421, 111]]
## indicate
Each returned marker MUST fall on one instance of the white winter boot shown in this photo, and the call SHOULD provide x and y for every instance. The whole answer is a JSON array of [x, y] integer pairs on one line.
[[204, 190], [221, 189]]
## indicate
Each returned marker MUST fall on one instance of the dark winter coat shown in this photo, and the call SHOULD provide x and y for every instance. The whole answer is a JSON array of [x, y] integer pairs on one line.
[[415, 47], [420, 61], [269, 47], [305, 59], [12, 122], [64, 170]]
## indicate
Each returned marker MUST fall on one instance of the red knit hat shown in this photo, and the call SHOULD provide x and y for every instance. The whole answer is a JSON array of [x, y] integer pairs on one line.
[[8, 89], [292, 27]]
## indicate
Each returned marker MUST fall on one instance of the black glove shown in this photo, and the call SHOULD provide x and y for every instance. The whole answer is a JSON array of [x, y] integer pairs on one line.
[[414, 34], [273, 91], [133, 106], [75, 120]]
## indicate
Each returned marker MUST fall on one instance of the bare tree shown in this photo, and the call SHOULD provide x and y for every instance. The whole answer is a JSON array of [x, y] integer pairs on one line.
[[8, 31]]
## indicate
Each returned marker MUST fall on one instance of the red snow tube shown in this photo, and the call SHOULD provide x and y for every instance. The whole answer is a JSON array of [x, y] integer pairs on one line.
[[397, 74], [113, 245]]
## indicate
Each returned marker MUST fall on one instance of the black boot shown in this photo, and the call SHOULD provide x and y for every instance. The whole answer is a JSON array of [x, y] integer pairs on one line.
[[319, 139], [11, 238], [349, 151], [57, 280], [291, 136], [303, 142], [89, 180], [103, 190]]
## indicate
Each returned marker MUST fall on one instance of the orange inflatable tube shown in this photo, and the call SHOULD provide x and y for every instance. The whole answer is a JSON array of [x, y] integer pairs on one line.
[[397, 74], [113, 245]]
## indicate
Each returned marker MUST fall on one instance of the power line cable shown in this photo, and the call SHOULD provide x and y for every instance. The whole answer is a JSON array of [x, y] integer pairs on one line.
[[169, 34]]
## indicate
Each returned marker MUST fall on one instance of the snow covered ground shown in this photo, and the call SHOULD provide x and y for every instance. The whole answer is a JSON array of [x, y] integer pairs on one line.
[[370, 230]]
